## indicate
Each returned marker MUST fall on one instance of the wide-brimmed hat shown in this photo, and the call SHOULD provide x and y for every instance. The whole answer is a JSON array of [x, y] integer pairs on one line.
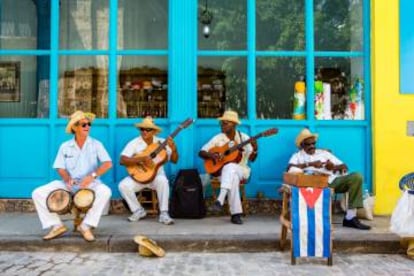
[[148, 122], [148, 247], [304, 134], [231, 116], [76, 117]]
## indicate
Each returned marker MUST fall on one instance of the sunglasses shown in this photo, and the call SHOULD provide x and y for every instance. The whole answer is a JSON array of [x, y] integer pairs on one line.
[[145, 129], [309, 144], [225, 122], [84, 124]]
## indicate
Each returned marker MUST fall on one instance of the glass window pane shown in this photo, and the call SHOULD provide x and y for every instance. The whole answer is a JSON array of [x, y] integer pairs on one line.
[[143, 86], [339, 89], [280, 25], [143, 24], [228, 27], [275, 85], [24, 86], [338, 25], [221, 85], [84, 24], [83, 85], [25, 24]]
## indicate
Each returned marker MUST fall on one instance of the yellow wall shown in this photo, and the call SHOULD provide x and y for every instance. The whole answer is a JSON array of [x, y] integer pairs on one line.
[[393, 150]]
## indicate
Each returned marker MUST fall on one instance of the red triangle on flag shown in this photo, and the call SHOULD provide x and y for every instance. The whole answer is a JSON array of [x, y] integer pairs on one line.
[[310, 195]]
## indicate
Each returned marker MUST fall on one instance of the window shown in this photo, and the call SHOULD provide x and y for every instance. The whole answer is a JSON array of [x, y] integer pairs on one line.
[[222, 80], [24, 79]]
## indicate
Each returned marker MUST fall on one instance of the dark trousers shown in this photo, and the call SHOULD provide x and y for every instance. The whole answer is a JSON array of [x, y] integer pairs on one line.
[[351, 183]]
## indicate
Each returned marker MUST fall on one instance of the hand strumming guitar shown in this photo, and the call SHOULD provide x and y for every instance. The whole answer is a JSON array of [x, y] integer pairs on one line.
[[253, 154]]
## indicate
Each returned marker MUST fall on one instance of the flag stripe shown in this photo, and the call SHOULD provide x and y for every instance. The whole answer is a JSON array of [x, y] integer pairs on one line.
[[311, 231], [327, 222], [295, 221]]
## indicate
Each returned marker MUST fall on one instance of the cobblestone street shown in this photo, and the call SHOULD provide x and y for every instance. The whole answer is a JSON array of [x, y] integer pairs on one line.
[[273, 263]]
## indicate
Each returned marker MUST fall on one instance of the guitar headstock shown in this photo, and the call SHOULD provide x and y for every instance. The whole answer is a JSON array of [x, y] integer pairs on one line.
[[270, 131], [186, 123]]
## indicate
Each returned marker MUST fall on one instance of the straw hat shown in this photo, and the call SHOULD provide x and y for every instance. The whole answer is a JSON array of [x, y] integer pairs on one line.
[[408, 244], [76, 117], [231, 116], [148, 122], [148, 247], [304, 134]]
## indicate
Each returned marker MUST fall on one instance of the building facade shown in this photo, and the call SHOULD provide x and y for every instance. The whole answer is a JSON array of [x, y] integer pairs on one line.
[[280, 63]]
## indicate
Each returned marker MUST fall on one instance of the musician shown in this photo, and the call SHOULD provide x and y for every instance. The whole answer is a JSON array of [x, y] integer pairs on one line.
[[79, 162], [233, 172], [312, 159], [129, 186]]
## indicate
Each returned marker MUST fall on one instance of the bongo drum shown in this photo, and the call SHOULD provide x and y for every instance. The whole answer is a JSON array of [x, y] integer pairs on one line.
[[83, 199], [59, 201]]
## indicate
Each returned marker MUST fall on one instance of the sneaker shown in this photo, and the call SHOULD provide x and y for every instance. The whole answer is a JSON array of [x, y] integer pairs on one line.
[[137, 215], [215, 208], [166, 219]]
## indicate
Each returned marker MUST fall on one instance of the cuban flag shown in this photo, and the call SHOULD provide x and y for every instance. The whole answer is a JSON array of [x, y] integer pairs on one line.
[[311, 222]]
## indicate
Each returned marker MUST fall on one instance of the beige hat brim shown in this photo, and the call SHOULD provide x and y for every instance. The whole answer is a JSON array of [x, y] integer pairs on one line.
[[150, 245], [144, 125], [229, 119]]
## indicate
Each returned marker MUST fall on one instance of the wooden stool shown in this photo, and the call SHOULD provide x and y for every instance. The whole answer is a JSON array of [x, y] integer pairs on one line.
[[215, 186], [149, 201]]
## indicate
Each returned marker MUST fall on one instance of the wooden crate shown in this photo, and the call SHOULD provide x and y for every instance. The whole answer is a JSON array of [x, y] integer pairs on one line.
[[306, 180]]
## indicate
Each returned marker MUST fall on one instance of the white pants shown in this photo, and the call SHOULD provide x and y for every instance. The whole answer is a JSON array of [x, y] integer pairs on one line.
[[231, 175], [128, 187], [92, 217]]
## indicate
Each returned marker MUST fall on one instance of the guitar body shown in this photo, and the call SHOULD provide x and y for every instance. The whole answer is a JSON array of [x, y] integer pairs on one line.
[[231, 154], [144, 173], [214, 167]]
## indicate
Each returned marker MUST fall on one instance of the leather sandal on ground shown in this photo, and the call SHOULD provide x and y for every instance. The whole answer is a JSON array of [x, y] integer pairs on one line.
[[55, 232], [86, 234]]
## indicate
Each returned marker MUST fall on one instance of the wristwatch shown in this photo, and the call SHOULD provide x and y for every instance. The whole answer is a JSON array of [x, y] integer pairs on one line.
[[94, 175]]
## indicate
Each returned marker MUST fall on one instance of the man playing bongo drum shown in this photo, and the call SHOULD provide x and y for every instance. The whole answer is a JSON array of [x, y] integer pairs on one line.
[[80, 162]]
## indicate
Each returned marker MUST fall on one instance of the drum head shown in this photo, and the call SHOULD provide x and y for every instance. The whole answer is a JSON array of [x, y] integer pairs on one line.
[[83, 199], [59, 201]]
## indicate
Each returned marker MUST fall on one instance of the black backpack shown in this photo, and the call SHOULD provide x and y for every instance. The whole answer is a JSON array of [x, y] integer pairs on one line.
[[187, 200]]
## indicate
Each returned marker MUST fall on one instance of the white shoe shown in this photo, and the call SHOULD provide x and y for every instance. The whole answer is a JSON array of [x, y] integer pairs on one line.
[[166, 219], [137, 215]]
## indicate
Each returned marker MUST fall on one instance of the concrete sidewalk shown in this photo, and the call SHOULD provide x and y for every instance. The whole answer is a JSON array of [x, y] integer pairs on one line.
[[22, 232]]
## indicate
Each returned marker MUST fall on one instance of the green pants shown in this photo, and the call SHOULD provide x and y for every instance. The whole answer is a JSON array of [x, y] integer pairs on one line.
[[351, 183]]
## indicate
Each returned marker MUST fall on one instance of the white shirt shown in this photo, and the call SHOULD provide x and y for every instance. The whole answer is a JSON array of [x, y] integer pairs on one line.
[[302, 157], [138, 145], [221, 139], [80, 162]]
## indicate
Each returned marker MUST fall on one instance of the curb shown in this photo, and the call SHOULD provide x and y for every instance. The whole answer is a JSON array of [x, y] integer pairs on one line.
[[382, 244]]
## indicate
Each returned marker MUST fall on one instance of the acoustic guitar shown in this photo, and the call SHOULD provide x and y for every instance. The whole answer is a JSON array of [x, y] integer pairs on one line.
[[145, 172], [230, 154]]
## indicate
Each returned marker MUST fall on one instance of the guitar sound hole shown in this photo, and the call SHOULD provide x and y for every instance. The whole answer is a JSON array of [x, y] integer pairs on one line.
[[227, 152], [153, 155]]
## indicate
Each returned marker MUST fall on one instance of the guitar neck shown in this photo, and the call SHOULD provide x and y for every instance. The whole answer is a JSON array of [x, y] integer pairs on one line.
[[164, 143], [242, 144]]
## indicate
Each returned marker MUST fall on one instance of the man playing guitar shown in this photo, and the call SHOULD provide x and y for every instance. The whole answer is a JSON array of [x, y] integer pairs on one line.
[[232, 172], [134, 154]]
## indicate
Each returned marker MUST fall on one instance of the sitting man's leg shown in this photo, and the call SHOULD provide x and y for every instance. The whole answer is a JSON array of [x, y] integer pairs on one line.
[[230, 180], [351, 183], [128, 189], [161, 185]]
